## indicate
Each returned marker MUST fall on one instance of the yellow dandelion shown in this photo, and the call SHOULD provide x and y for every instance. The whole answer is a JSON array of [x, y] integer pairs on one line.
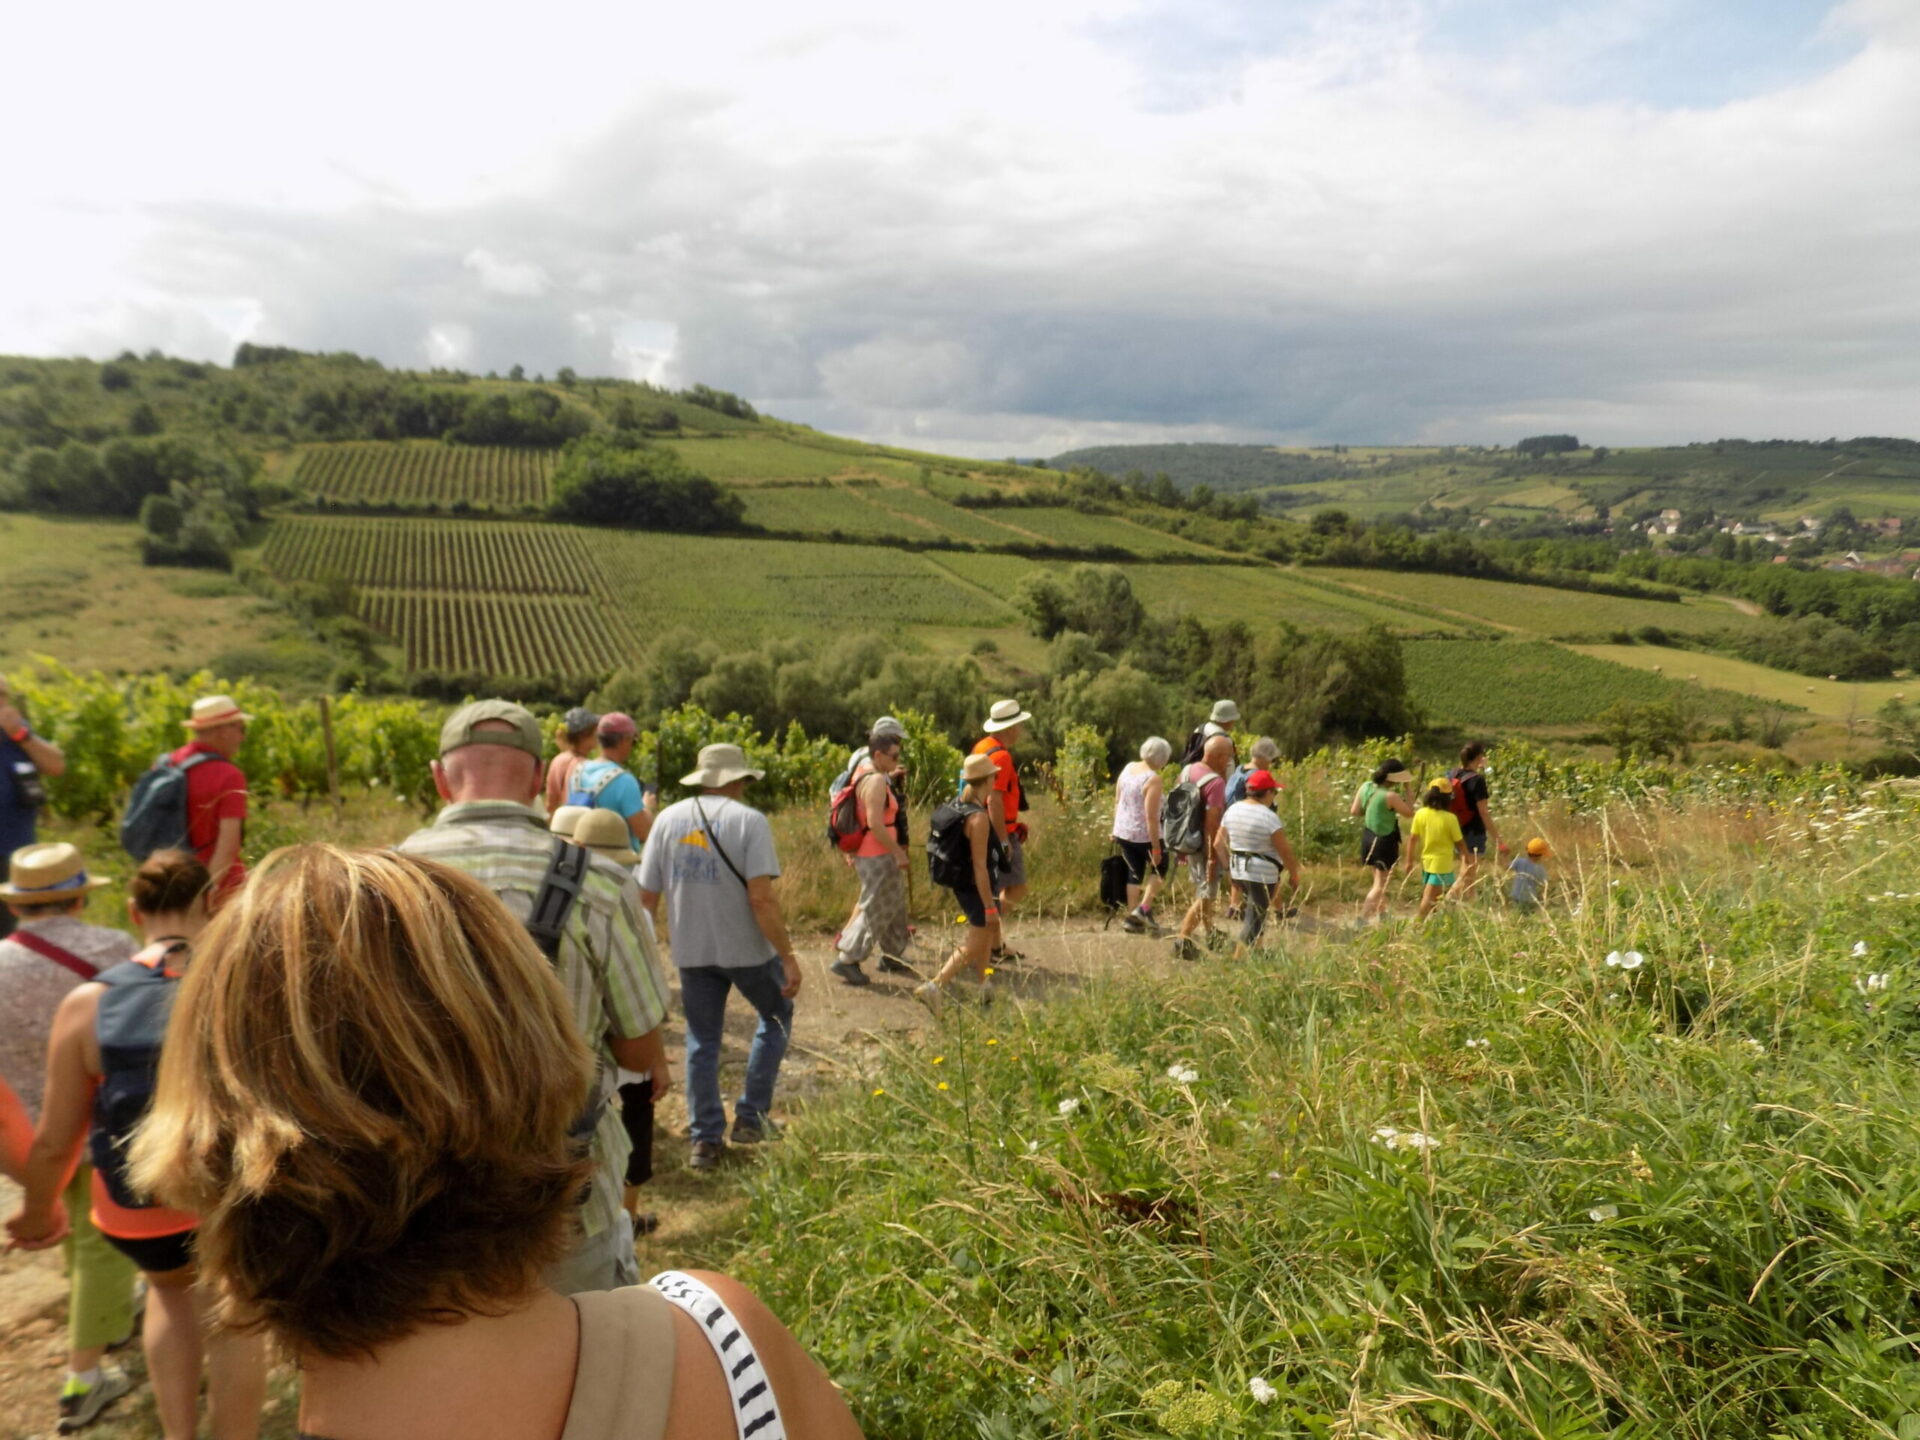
[[992, 1041], [941, 1086], [878, 1093], [939, 1059], [989, 969]]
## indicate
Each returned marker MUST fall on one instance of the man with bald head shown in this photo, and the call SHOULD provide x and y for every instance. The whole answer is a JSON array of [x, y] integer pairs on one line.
[[489, 773], [1209, 773]]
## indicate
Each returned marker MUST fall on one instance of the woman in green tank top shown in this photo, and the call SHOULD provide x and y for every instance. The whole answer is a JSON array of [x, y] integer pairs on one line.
[[1378, 808]]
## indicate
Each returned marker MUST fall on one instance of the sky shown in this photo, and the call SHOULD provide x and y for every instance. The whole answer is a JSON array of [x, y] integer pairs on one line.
[[1006, 228]]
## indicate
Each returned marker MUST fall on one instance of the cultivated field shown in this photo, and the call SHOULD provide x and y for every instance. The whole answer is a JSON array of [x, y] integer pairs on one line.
[[1541, 609], [1500, 683], [1830, 699], [424, 473], [475, 556]]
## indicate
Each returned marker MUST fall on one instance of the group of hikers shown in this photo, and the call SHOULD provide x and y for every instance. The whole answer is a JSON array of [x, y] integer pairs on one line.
[[357, 1094]]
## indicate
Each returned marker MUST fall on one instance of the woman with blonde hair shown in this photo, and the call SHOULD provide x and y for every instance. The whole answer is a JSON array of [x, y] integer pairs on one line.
[[370, 1113], [965, 855], [108, 1037]]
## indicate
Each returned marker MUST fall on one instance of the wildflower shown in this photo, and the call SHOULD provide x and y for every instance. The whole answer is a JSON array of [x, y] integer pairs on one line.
[[878, 1093], [1182, 1074], [989, 970], [1603, 1212], [1479, 1043], [1859, 949], [939, 1059], [1867, 984], [1404, 1139], [1033, 1147], [1626, 959], [992, 1041], [1069, 1105], [1262, 1392], [941, 1086]]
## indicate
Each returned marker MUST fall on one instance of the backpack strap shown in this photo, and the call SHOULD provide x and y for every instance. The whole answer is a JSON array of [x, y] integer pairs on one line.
[[58, 954], [559, 890], [714, 841]]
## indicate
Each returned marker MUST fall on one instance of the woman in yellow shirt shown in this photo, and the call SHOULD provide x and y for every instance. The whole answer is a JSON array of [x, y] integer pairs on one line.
[[1436, 833]]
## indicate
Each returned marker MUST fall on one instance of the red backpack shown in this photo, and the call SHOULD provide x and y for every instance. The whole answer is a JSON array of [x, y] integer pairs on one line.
[[1463, 810], [846, 821]]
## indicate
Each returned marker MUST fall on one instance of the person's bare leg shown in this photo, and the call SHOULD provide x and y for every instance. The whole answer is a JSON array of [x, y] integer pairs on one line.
[[1151, 890], [970, 954], [236, 1383], [174, 1350]]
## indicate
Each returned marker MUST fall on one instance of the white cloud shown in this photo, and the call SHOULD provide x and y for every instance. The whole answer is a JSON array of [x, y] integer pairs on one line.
[[982, 229]]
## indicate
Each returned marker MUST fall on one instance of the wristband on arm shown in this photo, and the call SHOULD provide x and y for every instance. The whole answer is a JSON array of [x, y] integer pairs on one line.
[[20, 736]]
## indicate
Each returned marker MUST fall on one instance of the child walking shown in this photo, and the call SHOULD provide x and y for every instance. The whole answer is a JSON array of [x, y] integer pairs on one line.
[[1437, 838]]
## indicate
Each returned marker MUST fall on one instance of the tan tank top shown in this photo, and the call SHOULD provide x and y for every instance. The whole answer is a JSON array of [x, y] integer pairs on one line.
[[623, 1384]]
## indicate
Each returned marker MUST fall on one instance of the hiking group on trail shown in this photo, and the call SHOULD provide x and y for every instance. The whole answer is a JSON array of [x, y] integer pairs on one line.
[[497, 1003]]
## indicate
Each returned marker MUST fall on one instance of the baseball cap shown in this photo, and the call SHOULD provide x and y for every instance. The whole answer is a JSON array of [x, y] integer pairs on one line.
[[579, 720], [1442, 784], [1538, 848], [461, 729], [618, 722], [1262, 780]]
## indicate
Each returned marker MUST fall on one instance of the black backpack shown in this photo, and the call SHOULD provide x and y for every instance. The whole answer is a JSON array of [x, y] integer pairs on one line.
[[553, 902], [949, 855], [1196, 750], [1114, 879]]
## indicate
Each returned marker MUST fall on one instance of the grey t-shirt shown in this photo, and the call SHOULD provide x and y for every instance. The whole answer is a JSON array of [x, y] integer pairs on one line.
[[1529, 876], [708, 918]]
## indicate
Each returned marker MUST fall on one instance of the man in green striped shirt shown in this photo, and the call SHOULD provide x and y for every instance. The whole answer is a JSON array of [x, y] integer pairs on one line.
[[489, 772]]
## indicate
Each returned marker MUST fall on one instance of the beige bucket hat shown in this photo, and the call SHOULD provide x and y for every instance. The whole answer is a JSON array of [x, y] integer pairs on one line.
[[606, 834], [47, 875], [565, 818], [721, 765], [978, 767], [215, 710]]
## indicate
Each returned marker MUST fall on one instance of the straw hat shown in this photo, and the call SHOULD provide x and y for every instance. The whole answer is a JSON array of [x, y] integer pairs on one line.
[[606, 834], [216, 710], [1004, 715], [978, 767], [721, 765], [565, 818], [46, 875]]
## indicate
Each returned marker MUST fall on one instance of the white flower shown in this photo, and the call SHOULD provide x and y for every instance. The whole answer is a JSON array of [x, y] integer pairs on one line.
[[1480, 1043], [1273, 1174], [1404, 1139], [1603, 1212], [1867, 984], [1069, 1105], [1626, 959], [1182, 1074], [1033, 1147], [1859, 949], [1262, 1392]]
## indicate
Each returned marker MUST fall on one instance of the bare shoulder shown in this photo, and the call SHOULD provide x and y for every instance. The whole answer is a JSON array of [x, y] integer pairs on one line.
[[809, 1403]]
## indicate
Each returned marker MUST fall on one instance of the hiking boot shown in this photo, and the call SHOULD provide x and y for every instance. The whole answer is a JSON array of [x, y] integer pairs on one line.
[[1134, 923], [849, 973], [754, 1132], [645, 1223], [890, 966], [930, 995], [707, 1154], [80, 1405], [1185, 949]]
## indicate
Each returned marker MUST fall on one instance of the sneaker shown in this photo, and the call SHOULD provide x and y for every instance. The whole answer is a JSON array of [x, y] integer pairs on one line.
[[1134, 923], [80, 1405], [890, 966], [754, 1132], [645, 1223], [849, 973], [1185, 949], [706, 1154], [929, 995], [1005, 957], [1154, 927]]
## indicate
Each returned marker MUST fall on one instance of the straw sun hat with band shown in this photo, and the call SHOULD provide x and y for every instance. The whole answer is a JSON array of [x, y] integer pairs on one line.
[[720, 766], [216, 710], [46, 875], [605, 833]]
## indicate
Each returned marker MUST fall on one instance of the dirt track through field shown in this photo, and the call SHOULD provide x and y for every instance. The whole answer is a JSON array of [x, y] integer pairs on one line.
[[839, 1034]]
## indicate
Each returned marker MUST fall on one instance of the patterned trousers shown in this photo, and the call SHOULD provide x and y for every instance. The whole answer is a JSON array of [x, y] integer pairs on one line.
[[882, 920]]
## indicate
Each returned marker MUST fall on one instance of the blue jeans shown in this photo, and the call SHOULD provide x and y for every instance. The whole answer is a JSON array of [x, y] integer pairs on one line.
[[703, 996]]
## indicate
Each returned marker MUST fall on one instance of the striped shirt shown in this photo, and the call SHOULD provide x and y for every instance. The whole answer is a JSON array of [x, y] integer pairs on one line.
[[609, 962]]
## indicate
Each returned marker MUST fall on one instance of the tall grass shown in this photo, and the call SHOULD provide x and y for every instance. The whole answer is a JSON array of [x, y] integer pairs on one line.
[[1471, 1180]]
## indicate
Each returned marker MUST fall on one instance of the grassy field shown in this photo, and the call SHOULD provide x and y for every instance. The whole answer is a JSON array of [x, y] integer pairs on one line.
[[75, 589], [746, 458], [1539, 609], [1829, 699], [821, 510], [1498, 684]]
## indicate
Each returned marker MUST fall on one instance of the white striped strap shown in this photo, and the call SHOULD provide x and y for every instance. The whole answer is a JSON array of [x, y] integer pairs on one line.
[[756, 1414]]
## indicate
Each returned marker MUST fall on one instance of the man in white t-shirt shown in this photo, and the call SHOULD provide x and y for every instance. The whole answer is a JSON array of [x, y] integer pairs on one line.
[[1255, 842], [711, 858]]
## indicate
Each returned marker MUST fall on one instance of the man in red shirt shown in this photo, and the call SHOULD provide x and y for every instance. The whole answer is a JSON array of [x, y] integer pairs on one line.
[[1005, 724], [217, 790]]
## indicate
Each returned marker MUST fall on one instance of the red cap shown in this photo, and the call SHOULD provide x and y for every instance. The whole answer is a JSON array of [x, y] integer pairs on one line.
[[618, 723], [1262, 780]]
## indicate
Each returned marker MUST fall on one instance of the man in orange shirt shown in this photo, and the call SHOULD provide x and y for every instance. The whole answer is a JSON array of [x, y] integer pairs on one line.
[[1005, 725]]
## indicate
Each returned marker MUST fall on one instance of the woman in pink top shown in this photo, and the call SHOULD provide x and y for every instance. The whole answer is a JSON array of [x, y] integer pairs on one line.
[[881, 863], [1137, 794]]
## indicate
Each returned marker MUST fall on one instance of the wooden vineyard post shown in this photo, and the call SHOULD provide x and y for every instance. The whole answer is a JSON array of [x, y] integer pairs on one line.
[[326, 735]]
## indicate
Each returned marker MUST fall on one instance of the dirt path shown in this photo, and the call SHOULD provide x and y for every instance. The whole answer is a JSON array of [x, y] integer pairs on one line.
[[840, 1034]]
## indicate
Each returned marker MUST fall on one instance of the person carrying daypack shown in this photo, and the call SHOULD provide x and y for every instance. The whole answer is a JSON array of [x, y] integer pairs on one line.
[[1469, 802], [607, 784], [964, 854], [27, 760], [880, 918], [196, 797], [1221, 720], [1190, 829]]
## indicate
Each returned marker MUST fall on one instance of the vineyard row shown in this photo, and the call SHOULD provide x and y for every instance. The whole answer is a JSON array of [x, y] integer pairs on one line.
[[381, 473], [477, 557]]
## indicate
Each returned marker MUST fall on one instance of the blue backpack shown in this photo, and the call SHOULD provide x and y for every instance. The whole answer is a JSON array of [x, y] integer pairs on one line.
[[601, 773], [156, 813]]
